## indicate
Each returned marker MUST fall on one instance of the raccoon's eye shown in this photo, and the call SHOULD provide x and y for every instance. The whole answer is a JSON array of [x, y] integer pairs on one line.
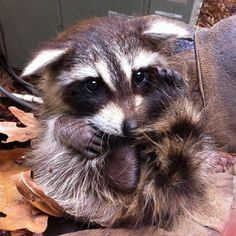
[[140, 77], [92, 85]]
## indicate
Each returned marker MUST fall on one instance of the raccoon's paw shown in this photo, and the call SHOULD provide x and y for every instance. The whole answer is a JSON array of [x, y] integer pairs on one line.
[[80, 135], [89, 142], [95, 144]]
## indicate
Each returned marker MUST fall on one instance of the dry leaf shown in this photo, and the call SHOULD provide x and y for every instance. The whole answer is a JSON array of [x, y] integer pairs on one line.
[[15, 212], [34, 194], [12, 154], [21, 232], [20, 134]]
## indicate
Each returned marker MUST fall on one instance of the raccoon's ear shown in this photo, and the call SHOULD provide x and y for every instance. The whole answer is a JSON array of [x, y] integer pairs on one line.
[[43, 59], [160, 30]]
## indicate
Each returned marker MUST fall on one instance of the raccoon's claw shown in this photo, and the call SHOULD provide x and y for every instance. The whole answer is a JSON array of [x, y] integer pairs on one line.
[[91, 144], [94, 147]]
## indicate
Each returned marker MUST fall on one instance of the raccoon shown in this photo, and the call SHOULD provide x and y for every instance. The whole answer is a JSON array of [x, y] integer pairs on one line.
[[120, 139]]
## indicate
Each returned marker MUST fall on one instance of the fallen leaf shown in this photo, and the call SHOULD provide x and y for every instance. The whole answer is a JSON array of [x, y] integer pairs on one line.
[[20, 134], [21, 232], [27, 119], [15, 212], [34, 194], [12, 154]]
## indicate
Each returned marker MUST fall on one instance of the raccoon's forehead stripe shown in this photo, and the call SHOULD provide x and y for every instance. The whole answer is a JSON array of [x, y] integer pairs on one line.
[[141, 59], [104, 72], [125, 65], [145, 59], [77, 73], [81, 72]]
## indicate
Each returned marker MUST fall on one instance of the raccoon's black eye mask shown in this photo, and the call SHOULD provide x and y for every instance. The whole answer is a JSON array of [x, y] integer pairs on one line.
[[88, 96], [150, 79], [93, 85]]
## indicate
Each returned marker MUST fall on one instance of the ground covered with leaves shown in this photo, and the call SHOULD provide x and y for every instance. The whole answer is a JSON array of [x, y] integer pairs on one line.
[[15, 212]]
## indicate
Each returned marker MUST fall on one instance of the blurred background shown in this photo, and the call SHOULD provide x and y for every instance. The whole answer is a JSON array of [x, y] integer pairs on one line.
[[25, 24]]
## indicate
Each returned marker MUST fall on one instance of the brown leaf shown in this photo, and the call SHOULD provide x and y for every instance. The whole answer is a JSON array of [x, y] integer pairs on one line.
[[20, 134], [34, 194], [12, 154], [21, 232], [27, 119], [15, 212]]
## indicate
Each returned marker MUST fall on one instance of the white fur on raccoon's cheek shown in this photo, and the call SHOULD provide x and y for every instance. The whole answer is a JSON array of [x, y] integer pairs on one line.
[[43, 59], [110, 119], [145, 59], [104, 72], [77, 73], [166, 29]]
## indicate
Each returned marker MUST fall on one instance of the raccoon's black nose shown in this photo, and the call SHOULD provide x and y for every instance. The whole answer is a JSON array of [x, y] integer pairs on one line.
[[128, 127]]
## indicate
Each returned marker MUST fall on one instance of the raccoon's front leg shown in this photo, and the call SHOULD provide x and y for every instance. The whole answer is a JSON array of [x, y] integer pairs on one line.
[[80, 135]]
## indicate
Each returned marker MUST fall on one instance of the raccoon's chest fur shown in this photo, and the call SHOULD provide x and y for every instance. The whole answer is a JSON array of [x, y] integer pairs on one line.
[[112, 149]]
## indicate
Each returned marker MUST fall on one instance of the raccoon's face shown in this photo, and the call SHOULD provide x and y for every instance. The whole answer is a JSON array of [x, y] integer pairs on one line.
[[108, 74], [108, 71]]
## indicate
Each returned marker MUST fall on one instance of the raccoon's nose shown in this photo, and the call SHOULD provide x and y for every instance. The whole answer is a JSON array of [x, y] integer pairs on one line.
[[128, 127]]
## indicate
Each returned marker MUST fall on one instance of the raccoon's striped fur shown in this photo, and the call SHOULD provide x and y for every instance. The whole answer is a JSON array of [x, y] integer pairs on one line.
[[178, 156], [121, 143]]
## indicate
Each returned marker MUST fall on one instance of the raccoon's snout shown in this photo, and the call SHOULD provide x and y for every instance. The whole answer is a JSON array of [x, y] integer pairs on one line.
[[128, 127]]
